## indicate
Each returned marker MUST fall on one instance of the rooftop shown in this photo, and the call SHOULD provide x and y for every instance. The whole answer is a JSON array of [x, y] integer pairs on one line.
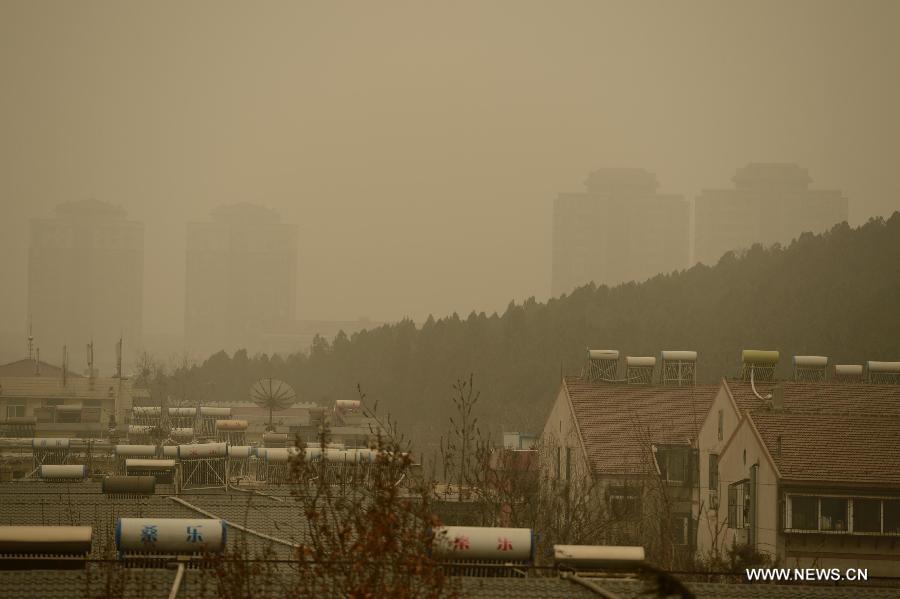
[[617, 421]]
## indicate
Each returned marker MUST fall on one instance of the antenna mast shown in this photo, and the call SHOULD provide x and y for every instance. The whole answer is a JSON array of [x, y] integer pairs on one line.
[[30, 339], [90, 358], [119, 357]]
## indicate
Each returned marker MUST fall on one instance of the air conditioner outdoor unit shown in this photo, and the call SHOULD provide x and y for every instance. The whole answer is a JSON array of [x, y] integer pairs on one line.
[[741, 536]]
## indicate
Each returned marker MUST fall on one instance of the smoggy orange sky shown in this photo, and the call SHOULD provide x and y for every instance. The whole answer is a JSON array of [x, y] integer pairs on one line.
[[419, 145]]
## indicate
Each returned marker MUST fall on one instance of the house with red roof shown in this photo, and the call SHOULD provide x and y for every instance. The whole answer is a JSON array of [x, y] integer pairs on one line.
[[805, 472]]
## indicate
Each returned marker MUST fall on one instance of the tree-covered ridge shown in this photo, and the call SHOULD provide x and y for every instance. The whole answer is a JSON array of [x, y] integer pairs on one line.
[[834, 294]]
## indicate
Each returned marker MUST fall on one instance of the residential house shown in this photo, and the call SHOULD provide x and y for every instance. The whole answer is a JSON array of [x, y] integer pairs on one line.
[[805, 473]]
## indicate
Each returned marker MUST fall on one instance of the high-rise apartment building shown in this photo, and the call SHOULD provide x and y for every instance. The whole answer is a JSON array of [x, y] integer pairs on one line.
[[241, 278], [770, 203], [620, 230], [85, 280]]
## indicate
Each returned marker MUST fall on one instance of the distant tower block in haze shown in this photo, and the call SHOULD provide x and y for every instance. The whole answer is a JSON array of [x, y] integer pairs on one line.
[[241, 278], [85, 279], [620, 230], [770, 203]]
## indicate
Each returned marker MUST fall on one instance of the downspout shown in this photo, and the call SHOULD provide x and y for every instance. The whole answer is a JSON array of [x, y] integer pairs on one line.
[[754, 482]]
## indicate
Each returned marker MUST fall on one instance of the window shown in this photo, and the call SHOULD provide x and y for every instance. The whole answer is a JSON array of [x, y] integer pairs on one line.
[[558, 463], [624, 502], [871, 515], [713, 481], [15, 408], [805, 513], [713, 472], [568, 463], [673, 465], [93, 403], [833, 513], [892, 516], [866, 515], [739, 504], [721, 425], [680, 530]]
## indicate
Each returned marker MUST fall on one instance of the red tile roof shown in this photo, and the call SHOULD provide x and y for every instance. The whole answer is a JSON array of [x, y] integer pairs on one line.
[[830, 432], [832, 448], [618, 421], [826, 398]]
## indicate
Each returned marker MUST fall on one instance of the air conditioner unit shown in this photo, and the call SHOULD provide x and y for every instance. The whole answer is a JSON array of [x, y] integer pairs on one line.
[[741, 536]]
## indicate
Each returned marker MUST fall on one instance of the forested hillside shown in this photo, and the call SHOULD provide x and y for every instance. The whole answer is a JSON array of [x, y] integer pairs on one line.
[[836, 294]]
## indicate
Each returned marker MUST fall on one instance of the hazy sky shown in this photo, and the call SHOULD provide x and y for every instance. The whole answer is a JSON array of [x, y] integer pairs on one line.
[[419, 145]]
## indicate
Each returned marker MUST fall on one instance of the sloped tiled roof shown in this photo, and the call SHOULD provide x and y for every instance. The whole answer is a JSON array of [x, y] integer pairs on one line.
[[75, 388], [25, 367], [832, 448], [828, 398], [618, 421], [830, 432]]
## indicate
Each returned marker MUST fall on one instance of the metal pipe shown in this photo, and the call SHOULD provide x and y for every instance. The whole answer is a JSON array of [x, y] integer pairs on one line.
[[176, 584], [592, 586], [233, 525]]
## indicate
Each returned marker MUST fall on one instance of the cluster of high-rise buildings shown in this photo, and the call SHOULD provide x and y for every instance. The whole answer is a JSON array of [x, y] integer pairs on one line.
[[86, 263], [621, 228], [86, 280]]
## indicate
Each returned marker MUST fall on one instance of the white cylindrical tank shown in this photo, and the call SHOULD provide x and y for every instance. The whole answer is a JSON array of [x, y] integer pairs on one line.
[[45, 540], [182, 411], [361, 456], [215, 412], [231, 425], [603, 354], [146, 411], [203, 450], [848, 369], [640, 361], [679, 355], [759, 356], [184, 433], [597, 556], [170, 451], [811, 361], [475, 543], [49, 443], [348, 404], [239, 451], [170, 535], [135, 450], [139, 429], [65, 471], [332, 454], [279, 455], [874, 366]]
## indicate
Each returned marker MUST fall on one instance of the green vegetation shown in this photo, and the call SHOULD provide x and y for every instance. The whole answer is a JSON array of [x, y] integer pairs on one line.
[[834, 294]]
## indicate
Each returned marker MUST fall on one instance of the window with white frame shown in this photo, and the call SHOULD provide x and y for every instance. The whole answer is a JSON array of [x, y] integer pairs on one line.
[[842, 514], [15, 408]]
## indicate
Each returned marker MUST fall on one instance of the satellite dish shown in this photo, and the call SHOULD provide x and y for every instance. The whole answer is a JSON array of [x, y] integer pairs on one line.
[[272, 394]]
